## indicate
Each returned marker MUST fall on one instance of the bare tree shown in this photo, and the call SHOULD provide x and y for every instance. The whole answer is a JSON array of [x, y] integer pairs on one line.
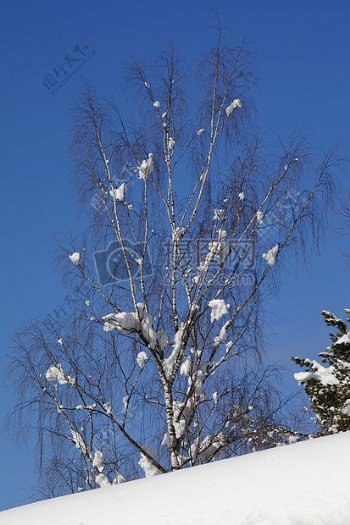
[[158, 367]]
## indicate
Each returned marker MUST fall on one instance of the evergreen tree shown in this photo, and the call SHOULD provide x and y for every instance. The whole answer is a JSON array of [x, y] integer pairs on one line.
[[328, 387]]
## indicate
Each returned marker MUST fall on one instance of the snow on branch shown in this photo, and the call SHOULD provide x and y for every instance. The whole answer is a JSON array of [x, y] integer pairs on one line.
[[118, 194], [270, 256], [56, 374], [218, 309], [146, 167], [235, 104], [148, 467], [75, 258], [140, 322], [79, 442]]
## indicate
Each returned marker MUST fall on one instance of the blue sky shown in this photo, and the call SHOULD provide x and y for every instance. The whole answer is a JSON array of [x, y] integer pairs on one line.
[[302, 66]]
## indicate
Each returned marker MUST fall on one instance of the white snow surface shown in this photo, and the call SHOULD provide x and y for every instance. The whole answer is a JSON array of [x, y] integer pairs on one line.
[[305, 483]]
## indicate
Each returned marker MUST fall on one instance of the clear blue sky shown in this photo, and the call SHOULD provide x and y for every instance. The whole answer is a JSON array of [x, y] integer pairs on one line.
[[303, 69]]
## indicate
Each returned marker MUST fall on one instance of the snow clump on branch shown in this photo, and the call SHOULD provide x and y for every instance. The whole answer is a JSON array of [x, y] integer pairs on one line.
[[102, 481], [270, 256], [75, 258], [147, 466], [146, 167], [236, 103], [220, 214], [219, 308], [118, 194], [98, 462], [141, 359], [140, 322], [55, 373]]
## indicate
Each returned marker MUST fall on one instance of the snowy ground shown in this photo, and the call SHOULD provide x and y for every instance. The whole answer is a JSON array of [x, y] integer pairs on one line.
[[301, 484]]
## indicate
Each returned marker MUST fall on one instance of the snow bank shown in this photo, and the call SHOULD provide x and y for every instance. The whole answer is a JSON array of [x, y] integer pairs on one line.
[[301, 484]]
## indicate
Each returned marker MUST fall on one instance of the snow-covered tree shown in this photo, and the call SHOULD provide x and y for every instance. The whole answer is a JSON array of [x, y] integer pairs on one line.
[[156, 369], [328, 384]]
